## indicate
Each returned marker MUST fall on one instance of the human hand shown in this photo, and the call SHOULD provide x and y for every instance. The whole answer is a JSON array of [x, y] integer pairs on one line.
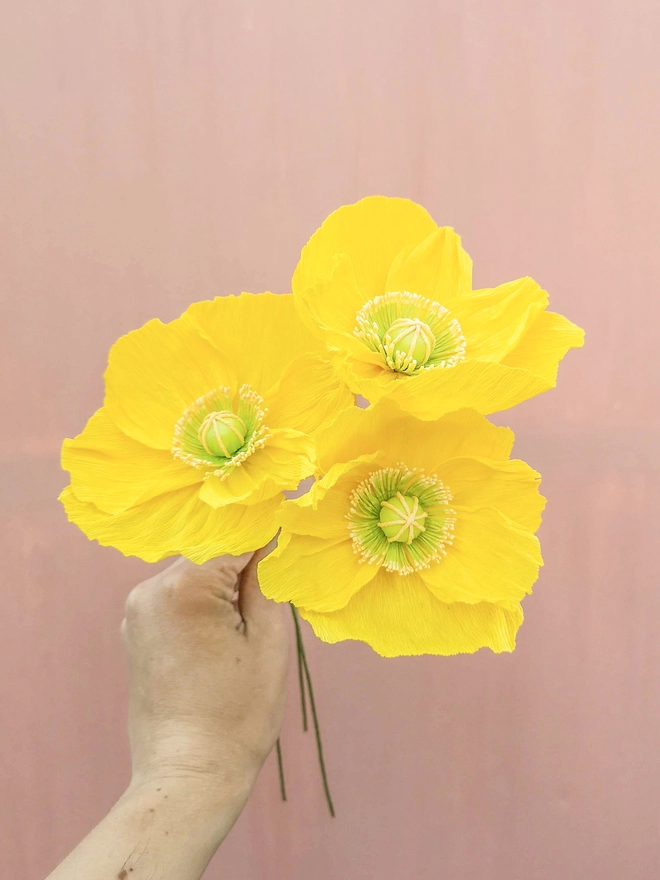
[[207, 660], [207, 657]]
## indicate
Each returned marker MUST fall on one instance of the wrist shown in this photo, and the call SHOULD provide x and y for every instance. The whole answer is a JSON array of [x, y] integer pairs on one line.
[[202, 806], [165, 825], [200, 765]]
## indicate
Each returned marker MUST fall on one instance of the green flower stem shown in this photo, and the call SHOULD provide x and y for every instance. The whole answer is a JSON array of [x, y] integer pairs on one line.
[[280, 768], [312, 703], [301, 680]]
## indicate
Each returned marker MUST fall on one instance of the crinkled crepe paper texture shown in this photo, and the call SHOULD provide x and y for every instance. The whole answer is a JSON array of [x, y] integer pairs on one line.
[[380, 245], [128, 490], [467, 600]]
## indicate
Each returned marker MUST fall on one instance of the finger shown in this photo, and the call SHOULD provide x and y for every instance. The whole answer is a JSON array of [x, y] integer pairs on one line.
[[219, 576], [255, 608], [231, 564], [225, 573], [186, 589]]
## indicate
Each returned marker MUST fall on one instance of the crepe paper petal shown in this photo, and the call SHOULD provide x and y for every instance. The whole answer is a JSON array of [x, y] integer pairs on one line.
[[308, 396], [224, 401], [154, 373], [491, 559], [260, 334], [427, 517], [437, 268], [372, 231], [111, 470], [177, 523], [512, 487], [484, 386], [544, 345], [494, 321], [286, 458], [320, 572], [400, 617], [390, 294], [456, 435]]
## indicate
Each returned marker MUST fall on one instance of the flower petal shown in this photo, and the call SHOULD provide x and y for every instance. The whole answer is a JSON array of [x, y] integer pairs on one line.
[[114, 472], [372, 232], [437, 268], [176, 523], [416, 443], [398, 616], [322, 511], [333, 301], [512, 487], [155, 373], [287, 458], [494, 321], [332, 306], [492, 559], [259, 334], [308, 396], [485, 386], [544, 345], [364, 372], [319, 573]]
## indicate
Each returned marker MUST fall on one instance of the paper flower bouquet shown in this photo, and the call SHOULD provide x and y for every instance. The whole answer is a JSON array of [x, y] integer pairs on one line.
[[417, 535]]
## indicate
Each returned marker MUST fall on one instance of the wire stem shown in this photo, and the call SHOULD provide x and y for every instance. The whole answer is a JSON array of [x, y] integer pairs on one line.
[[280, 768], [312, 704], [301, 681]]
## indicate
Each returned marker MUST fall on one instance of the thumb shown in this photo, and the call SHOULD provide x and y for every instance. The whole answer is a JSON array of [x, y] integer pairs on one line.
[[221, 575], [257, 611]]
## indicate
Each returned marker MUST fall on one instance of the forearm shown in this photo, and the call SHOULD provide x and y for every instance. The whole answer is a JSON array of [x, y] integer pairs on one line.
[[165, 829]]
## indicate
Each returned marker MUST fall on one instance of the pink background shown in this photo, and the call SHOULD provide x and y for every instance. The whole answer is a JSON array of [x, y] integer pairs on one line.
[[154, 153]]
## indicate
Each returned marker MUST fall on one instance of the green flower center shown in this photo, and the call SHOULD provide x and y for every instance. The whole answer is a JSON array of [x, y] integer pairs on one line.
[[401, 519], [222, 433], [410, 332], [220, 430], [409, 342]]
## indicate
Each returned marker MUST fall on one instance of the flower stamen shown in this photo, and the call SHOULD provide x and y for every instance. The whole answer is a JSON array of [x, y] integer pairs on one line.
[[220, 430], [400, 518], [410, 332]]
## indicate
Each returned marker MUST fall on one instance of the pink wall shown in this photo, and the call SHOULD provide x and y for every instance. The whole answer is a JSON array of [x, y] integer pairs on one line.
[[154, 153]]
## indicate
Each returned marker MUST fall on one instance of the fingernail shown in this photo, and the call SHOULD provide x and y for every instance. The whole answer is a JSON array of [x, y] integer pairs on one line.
[[270, 546]]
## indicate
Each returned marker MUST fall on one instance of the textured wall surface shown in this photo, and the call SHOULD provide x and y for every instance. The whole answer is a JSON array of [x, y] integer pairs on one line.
[[153, 153]]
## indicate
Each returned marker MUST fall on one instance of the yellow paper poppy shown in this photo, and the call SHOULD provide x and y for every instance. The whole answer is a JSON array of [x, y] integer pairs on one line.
[[418, 538], [206, 420], [391, 294]]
